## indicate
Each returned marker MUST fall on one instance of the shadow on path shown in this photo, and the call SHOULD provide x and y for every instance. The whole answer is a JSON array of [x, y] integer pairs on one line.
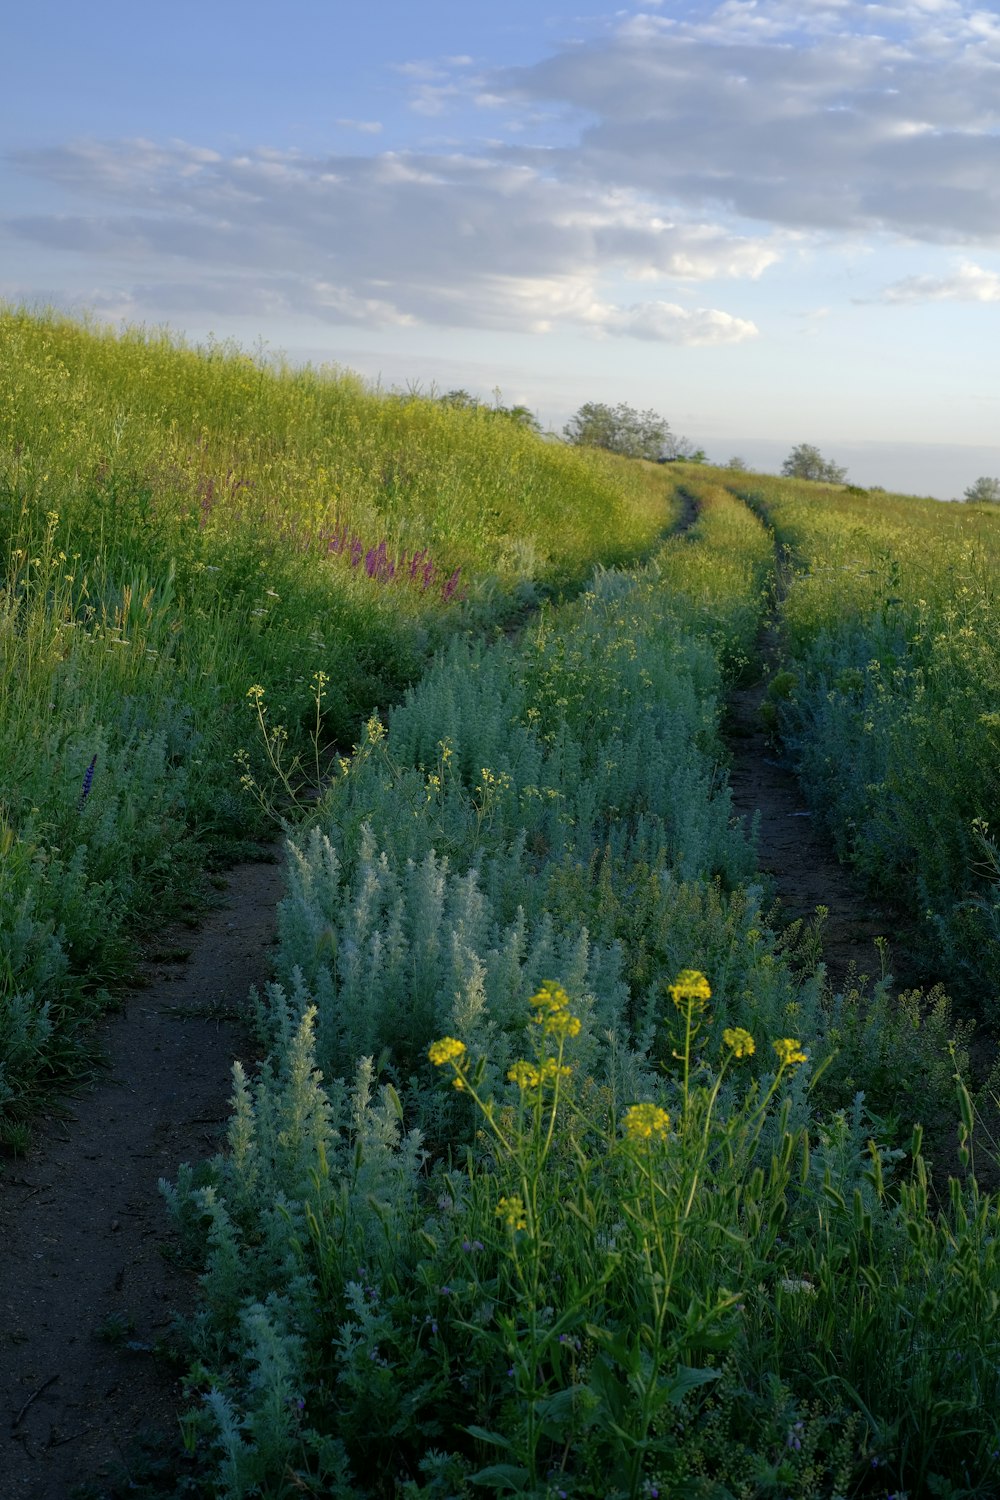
[[85, 1291]]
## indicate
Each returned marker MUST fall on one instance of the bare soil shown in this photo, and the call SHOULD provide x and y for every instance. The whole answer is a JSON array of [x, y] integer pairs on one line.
[[86, 1293], [794, 850]]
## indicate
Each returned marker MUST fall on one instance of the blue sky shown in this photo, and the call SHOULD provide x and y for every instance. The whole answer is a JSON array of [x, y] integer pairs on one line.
[[773, 222]]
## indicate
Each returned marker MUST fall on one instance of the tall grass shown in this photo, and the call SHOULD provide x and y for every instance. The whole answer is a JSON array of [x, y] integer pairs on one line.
[[551, 1183], [178, 526], [890, 622]]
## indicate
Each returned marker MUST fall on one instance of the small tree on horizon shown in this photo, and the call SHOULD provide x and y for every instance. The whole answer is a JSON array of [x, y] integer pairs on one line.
[[461, 400], [682, 448], [620, 429], [985, 490], [807, 462]]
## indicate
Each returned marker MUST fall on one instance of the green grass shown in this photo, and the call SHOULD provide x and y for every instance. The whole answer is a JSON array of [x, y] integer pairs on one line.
[[675, 1231], [178, 526], [564, 1176], [890, 624]]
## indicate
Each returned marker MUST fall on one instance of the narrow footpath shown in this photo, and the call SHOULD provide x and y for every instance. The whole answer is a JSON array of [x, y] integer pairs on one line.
[[86, 1293], [794, 850]]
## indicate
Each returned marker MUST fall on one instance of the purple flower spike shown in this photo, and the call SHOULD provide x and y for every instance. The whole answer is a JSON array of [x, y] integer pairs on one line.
[[416, 568], [88, 781], [451, 585]]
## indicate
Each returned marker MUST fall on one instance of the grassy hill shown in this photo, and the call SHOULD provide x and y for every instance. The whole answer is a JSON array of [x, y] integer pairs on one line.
[[567, 1173], [178, 526]]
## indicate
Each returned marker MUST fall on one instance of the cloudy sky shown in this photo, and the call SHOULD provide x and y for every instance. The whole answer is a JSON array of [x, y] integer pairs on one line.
[[774, 221]]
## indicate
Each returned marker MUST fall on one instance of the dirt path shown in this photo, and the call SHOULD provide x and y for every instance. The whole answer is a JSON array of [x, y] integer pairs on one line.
[[796, 852], [85, 1292]]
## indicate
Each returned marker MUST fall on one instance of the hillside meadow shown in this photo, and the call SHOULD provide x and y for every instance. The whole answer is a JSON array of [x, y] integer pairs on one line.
[[567, 1173], [180, 526], [889, 707]]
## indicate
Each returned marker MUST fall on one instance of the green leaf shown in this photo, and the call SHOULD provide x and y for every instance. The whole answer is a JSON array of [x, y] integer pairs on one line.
[[496, 1438], [686, 1379], [509, 1477], [557, 1410]]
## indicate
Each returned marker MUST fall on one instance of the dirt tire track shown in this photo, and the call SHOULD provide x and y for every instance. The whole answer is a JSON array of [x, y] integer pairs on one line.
[[794, 850], [82, 1223]]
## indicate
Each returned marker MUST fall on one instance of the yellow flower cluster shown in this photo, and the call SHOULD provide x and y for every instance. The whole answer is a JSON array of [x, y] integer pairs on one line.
[[740, 1041], [690, 988], [646, 1122], [448, 1049], [789, 1051], [529, 1076], [552, 1012], [511, 1212]]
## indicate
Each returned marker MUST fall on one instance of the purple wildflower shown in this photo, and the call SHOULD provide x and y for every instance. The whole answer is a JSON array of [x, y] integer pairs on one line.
[[451, 585], [417, 568], [88, 781]]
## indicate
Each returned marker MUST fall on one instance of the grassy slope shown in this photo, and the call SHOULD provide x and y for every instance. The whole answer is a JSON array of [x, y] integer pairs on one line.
[[640, 1256], [178, 526], [890, 624]]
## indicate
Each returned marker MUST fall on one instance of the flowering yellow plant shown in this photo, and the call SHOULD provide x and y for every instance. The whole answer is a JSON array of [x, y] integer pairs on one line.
[[528, 1075], [448, 1049], [692, 987], [789, 1051], [646, 1122], [511, 1212], [741, 1042], [551, 1006]]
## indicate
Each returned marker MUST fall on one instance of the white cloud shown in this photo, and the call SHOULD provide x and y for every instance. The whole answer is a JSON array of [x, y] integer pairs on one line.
[[677, 150], [475, 241], [968, 283], [666, 322], [837, 115]]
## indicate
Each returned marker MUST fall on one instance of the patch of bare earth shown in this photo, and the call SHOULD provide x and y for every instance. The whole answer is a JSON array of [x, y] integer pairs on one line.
[[85, 1290], [795, 851]]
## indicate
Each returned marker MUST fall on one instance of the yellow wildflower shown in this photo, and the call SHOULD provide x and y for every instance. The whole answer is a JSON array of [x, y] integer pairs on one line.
[[789, 1051], [644, 1122], [548, 999], [740, 1041], [525, 1075], [552, 1012], [561, 1023], [448, 1049], [511, 1211], [690, 987]]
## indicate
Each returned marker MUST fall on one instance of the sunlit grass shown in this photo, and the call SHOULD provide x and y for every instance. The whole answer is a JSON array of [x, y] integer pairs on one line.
[[890, 621], [177, 525]]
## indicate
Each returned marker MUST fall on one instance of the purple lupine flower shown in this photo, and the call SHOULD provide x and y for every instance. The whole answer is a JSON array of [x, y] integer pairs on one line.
[[450, 586], [88, 781], [417, 568], [377, 564]]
